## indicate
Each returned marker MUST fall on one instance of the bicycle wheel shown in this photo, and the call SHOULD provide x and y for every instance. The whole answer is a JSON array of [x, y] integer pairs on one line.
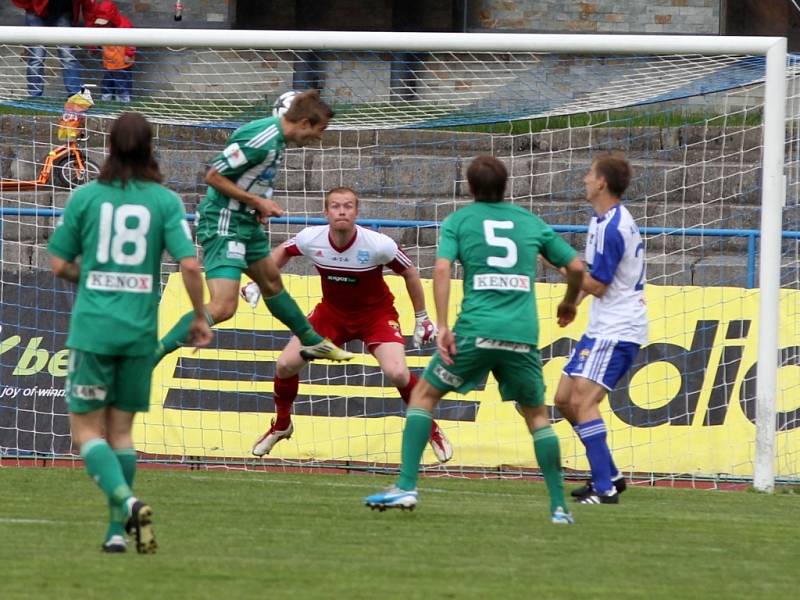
[[67, 174]]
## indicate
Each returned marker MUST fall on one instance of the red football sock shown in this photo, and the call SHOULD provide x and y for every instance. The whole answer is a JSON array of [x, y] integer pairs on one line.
[[405, 394], [285, 393]]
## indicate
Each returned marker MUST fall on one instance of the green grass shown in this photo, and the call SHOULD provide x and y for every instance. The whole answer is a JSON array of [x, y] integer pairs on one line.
[[278, 535], [640, 117]]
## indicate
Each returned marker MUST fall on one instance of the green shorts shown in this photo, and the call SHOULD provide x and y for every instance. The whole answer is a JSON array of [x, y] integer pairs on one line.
[[96, 381], [516, 367], [231, 240]]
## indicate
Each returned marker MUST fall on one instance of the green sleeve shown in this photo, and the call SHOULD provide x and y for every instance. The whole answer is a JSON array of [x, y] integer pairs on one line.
[[66, 239], [240, 154], [177, 236], [555, 249], [448, 241]]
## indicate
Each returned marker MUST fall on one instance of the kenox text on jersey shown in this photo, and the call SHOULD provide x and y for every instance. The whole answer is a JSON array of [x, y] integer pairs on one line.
[[352, 276]]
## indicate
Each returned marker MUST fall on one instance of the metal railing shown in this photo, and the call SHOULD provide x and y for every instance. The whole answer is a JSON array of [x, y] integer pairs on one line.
[[751, 234]]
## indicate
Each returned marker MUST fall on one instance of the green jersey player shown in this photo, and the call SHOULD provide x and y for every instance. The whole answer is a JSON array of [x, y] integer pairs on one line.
[[119, 226], [231, 218], [497, 329]]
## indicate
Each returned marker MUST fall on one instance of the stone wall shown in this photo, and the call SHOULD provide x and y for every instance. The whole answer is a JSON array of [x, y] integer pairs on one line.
[[594, 16], [597, 16]]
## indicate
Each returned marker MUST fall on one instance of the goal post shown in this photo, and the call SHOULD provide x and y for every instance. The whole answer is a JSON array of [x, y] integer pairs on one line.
[[220, 78], [773, 192]]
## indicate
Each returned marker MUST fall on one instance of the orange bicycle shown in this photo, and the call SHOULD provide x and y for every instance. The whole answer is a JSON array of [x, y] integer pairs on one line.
[[65, 165]]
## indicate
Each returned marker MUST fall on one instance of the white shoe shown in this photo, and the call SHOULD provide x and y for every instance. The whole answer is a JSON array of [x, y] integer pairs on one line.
[[116, 544], [266, 442], [562, 517], [251, 294], [441, 446]]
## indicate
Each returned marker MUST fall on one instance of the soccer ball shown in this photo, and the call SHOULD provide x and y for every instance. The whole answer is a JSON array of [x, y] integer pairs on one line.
[[283, 103]]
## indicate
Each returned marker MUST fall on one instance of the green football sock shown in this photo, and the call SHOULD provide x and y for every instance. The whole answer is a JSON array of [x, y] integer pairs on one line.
[[178, 335], [103, 466], [118, 514], [416, 434], [127, 460], [285, 309], [548, 455]]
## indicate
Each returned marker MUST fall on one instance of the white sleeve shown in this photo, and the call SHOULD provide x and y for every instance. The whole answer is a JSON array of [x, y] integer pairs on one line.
[[387, 249], [302, 240]]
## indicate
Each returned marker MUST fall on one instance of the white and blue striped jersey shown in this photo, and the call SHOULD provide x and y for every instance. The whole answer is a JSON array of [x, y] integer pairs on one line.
[[615, 256]]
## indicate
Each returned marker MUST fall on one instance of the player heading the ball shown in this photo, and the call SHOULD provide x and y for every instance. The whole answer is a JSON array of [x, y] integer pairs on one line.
[[231, 218]]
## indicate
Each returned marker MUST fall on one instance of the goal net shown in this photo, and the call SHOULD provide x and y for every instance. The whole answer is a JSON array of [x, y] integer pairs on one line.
[[408, 121]]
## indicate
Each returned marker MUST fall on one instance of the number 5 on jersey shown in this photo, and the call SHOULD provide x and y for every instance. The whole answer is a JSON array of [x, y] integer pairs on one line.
[[492, 239]]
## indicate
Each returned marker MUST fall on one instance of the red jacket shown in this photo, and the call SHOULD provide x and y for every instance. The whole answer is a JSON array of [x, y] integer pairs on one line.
[[39, 8], [114, 57]]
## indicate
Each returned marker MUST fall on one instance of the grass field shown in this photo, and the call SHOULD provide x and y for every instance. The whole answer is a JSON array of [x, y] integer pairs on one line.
[[280, 535]]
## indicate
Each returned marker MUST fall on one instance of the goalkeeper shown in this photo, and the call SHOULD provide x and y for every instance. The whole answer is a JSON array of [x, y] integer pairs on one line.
[[356, 305], [238, 202]]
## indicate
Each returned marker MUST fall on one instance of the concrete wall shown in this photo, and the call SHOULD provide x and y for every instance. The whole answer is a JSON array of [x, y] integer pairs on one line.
[[595, 16]]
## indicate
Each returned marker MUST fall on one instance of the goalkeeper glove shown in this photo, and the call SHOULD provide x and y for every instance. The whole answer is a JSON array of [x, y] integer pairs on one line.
[[251, 294], [424, 330]]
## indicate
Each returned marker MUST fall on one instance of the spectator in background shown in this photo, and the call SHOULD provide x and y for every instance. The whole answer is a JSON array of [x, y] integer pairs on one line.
[[118, 61], [53, 13]]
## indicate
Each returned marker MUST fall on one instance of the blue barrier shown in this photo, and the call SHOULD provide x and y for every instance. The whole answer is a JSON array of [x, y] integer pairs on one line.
[[750, 234]]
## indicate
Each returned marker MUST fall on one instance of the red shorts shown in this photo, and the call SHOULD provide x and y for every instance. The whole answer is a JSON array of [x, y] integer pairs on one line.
[[375, 328]]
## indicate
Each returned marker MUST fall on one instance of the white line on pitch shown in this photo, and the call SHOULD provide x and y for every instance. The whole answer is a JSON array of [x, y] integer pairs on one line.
[[28, 521], [354, 485]]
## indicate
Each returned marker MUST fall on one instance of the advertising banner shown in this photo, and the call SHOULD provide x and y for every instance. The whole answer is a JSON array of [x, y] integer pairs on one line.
[[687, 406]]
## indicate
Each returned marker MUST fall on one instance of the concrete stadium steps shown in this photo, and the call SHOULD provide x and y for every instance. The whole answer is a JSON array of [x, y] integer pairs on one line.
[[716, 215], [537, 175], [424, 178], [185, 151], [672, 260], [723, 214], [17, 257], [26, 129], [685, 177]]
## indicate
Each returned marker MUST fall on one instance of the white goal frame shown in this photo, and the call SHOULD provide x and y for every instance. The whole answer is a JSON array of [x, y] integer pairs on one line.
[[773, 179]]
